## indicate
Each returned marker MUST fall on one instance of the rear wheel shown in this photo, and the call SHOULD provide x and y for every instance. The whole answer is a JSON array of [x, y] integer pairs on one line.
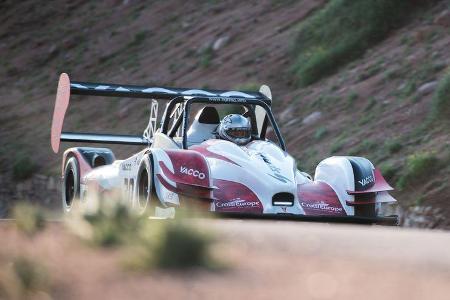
[[145, 187], [71, 183]]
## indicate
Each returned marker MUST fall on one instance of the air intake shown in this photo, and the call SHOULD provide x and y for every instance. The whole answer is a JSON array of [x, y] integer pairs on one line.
[[283, 199]]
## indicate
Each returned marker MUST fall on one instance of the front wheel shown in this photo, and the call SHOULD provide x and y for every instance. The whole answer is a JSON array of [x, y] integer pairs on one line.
[[70, 184], [370, 209]]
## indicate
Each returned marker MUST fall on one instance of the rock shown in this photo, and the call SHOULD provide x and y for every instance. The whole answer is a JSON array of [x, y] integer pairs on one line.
[[40, 177], [124, 110], [402, 86], [292, 122], [220, 42], [185, 25], [427, 88], [285, 115], [312, 118], [20, 189], [443, 19], [51, 185], [53, 50], [423, 217]]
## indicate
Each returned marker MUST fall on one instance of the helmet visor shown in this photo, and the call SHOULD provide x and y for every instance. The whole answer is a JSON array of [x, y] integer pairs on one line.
[[239, 133]]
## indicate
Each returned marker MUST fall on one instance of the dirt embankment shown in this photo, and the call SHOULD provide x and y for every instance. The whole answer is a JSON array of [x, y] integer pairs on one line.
[[373, 107]]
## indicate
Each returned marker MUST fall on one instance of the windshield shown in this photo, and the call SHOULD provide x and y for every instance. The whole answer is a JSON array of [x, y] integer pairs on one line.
[[258, 113]]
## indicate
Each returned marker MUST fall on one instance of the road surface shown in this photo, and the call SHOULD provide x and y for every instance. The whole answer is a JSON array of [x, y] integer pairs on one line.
[[266, 259]]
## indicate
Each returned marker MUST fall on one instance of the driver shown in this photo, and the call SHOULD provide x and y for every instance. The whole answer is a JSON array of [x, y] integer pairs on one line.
[[235, 128]]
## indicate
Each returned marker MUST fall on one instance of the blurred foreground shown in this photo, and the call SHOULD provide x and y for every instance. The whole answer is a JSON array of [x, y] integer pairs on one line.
[[264, 260]]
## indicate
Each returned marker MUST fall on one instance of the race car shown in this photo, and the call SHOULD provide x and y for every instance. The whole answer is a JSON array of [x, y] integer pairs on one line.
[[184, 161]]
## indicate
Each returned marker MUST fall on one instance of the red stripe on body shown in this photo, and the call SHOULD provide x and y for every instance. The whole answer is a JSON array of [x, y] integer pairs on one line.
[[184, 189], [235, 197], [318, 198], [203, 149]]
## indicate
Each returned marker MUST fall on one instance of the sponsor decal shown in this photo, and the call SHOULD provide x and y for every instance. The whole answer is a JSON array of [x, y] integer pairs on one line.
[[276, 171], [366, 181], [192, 172], [126, 166], [221, 99], [170, 196], [321, 206], [318, 198], [237, 203]]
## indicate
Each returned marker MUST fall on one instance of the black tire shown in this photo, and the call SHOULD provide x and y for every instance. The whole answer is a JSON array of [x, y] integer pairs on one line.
[[71, 183], [365, 210], [144, 186]]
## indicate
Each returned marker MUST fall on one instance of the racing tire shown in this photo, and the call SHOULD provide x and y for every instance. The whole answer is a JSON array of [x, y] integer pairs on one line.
[[365, 210], [70, 184], [144, 187]]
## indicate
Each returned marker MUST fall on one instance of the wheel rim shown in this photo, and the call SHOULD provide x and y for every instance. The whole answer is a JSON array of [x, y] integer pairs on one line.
[[70, 188], [144, 191]]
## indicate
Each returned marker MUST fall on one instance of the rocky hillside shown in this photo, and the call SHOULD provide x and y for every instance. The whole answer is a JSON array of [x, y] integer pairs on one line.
[[386, 103]]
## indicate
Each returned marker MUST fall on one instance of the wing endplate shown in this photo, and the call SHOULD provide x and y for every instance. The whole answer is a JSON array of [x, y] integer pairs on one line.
[[61, 105]]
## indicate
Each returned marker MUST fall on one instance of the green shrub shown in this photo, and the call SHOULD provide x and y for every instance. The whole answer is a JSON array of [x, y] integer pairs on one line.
[[170, 244], [388, 170], [24, 278], [249, 86], [393, 146], [182, 247], [352, 97], [31, 275], [371, 104], [139, 38], [206, 56], [166, 244], [337, 145], [364, 147], [23, 167], [29, 219], [112, 225], [418, 167], [441, 100], [320, 132], [342, 31]]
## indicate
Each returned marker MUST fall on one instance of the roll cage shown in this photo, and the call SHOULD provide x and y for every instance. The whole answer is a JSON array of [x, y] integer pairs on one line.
[[182, 120]]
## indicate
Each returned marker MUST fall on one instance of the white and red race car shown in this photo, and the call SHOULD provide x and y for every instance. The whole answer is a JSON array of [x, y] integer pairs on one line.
[[182, 160]]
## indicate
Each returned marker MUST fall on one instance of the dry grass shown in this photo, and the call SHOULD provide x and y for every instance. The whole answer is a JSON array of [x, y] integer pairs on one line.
[[24, 278], [147, 244], [29, 219]]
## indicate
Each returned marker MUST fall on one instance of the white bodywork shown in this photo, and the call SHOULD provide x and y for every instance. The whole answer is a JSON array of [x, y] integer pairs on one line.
[[261, 166]]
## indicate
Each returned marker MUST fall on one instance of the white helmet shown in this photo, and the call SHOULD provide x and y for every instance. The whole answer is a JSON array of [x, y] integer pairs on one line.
[[235, 128]]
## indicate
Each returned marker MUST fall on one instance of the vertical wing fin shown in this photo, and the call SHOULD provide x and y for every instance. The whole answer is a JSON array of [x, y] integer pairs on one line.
[[61, 105]]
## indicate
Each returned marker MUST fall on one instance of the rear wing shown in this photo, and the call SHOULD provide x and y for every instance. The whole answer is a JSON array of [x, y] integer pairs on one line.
[[66, 88]]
